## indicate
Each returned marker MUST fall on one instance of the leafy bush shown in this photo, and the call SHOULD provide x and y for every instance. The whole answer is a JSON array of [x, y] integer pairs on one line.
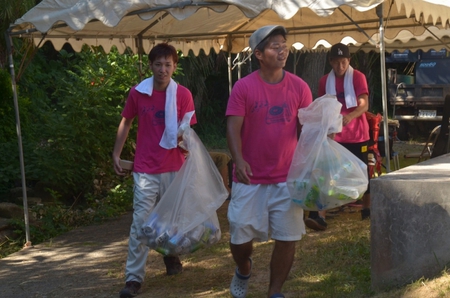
[[72, 121]]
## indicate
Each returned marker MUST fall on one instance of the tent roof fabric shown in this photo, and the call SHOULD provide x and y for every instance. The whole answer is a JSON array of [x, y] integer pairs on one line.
[[226, 25]]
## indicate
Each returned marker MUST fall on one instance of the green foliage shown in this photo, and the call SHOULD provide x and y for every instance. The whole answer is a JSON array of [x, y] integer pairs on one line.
[[9, 12], [7, 111], [6, 107], [117, 200], [5, 85], [70, 105], [77, 101]]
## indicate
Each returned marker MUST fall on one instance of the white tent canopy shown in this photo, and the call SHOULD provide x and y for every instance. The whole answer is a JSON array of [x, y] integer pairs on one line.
[[431, 39], [223, 25]]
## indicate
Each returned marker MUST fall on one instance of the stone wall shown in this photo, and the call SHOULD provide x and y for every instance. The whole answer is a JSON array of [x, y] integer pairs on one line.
[[410, 223]]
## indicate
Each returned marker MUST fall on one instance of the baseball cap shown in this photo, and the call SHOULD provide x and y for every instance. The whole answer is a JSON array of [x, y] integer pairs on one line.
[[262, 33], [339, 50]]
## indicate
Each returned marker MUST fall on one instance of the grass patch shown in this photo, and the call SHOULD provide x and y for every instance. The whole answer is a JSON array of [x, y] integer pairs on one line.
[[332, 263]]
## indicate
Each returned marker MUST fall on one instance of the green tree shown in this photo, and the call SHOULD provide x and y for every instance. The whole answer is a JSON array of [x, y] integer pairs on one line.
[[9, 12]]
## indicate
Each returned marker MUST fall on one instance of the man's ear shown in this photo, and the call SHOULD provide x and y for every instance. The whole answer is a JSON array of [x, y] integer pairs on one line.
[[258, 54]]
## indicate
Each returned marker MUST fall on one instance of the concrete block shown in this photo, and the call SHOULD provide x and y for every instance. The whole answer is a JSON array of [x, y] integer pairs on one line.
[[410, 223]]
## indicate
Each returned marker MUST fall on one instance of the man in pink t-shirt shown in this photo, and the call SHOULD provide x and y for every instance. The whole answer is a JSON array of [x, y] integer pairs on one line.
[[350, 87], [159, 104], [262, 133]]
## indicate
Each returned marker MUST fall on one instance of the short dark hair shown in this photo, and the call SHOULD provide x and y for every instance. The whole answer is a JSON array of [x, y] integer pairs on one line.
[[262, 45], [163, 50]]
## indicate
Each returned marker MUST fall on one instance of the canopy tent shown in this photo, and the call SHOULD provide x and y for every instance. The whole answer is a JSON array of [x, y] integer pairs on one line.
[[431, 39], [222, 25]]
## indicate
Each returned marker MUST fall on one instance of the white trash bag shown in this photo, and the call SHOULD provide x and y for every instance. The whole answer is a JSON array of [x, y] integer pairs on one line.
[[185, 219], [324, 174]]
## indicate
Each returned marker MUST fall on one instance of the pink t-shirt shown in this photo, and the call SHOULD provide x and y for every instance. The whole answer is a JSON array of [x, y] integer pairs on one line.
[[149, 157], [357, 130], [269, 130]]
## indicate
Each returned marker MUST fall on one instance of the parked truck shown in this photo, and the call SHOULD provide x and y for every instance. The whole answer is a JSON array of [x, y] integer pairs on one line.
[[417, 87]]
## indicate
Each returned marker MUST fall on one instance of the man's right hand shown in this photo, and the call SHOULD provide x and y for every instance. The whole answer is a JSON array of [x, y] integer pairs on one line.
[[117, 168], [243, 171]]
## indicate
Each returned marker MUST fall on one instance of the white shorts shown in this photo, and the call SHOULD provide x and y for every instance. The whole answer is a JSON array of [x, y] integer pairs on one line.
[[256, 210]]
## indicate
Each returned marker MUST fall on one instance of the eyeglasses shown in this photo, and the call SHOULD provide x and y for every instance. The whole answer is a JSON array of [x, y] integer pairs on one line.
[[279, 47]]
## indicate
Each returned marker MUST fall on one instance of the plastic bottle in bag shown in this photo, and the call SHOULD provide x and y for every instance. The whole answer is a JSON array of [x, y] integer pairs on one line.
[[196, 246], [184, 246], [175, 241], [196, 233], [342, 172], [150, 237], [162, 250], [206, 235], [162, 239], [312, 196]]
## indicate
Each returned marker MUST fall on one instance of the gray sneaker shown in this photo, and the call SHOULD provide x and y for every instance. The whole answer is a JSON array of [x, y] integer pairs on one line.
[[317, 224], [131, 289]]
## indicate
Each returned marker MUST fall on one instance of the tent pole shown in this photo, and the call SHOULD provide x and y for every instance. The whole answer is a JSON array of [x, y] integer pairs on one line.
[[239, 69], [230, 85], [19, 138], [379, 10], [230, 67], [140, 52]]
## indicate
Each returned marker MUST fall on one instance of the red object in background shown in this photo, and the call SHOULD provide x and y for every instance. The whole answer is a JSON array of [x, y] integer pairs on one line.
[[374, 131]]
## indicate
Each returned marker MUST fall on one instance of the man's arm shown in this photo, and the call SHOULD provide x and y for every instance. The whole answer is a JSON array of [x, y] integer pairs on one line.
[[363, 106], [122, 134], [242, 168]]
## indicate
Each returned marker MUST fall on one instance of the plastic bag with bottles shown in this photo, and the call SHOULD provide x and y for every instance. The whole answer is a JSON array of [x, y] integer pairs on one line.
[[324, 174], [185, 219]]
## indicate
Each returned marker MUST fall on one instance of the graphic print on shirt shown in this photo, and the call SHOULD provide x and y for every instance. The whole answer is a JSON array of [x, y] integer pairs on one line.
[[277, 114], [259, 105], [146, 110], [159, 118]]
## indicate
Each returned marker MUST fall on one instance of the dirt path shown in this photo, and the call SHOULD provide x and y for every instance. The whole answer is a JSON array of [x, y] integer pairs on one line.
[[90, 262], [77, 264]]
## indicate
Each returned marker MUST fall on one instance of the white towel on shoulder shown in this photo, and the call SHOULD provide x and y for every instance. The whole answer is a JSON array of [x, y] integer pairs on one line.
[[169, 137], [349, 90]]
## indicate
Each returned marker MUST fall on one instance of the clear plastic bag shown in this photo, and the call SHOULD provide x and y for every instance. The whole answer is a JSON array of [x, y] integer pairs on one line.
[[324, 174], [185, 219]]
